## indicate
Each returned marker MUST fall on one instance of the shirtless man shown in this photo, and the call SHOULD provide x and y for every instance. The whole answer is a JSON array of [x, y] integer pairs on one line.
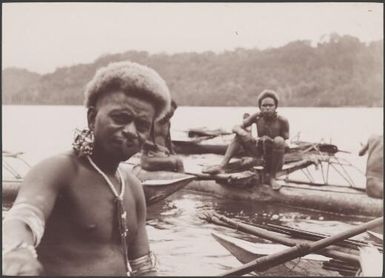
[[158, 153], [272, 130], [374, 165], [80, 213]]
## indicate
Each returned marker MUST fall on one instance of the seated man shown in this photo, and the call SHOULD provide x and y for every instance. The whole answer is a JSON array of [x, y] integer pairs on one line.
[[374, 166], [158, 153], [272, 131]]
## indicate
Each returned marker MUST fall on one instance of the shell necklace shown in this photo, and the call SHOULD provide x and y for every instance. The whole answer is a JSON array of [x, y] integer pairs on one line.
[[121, 213], [112, 187]]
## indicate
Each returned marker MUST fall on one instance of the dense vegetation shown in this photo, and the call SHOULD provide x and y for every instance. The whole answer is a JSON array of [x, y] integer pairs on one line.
[[341, 71]]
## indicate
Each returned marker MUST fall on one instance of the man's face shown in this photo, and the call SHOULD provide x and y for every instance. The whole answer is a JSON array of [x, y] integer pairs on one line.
[[268, 106], [121, 124]]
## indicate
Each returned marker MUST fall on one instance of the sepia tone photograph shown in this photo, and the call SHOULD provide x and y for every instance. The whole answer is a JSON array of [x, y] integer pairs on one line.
[[192, 139]]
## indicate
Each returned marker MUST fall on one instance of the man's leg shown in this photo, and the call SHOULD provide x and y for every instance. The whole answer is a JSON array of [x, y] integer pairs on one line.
[[231, 150], [275, 162]]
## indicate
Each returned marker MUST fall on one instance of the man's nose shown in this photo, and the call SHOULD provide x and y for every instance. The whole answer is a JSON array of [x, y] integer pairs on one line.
[[130, 129]]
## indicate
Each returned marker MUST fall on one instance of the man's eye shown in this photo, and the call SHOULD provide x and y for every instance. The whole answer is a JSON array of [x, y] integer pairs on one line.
[[142, 126], [121, 119]]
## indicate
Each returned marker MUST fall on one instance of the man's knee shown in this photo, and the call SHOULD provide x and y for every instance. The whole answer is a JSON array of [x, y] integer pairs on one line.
[[237, 141], [375, 187], [279, 143]]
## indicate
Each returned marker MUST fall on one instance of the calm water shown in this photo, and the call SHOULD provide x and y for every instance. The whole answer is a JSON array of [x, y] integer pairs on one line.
[[182, 241]]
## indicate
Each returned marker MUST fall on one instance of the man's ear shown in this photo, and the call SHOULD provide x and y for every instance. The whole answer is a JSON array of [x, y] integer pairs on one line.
[[91, 115]]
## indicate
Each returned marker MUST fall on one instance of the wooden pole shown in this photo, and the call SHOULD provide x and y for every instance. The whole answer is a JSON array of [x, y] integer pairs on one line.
[[266, 262]]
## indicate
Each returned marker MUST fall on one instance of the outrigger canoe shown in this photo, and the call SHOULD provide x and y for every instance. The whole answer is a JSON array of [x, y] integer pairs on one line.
[[154, 189], [245, 251], [249, 185], [246, 182]]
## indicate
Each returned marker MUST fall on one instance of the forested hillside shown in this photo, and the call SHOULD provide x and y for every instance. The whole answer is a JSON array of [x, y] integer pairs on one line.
[[341, 71]]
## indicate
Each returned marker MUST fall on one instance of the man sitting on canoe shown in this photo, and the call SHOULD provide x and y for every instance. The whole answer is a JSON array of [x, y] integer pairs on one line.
[[157, 152], [374, 166], [272, 130], [79, 213]]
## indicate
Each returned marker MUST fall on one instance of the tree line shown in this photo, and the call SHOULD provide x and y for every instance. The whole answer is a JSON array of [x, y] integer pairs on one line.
[[339, 71]]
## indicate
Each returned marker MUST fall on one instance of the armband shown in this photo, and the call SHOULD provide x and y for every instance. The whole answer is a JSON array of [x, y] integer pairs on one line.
[[21, 245], [144, 264], [32, 216]]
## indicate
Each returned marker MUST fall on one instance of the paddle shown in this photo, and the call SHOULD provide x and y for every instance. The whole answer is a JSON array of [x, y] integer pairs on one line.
[[266, 262], [298, 233]]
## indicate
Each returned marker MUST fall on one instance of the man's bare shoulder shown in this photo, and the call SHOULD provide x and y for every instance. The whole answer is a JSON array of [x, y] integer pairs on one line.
[[282, 118], [63, 161], [57, 167]]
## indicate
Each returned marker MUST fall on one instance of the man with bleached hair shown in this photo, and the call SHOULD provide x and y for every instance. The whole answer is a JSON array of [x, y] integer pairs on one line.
[[80, 213]]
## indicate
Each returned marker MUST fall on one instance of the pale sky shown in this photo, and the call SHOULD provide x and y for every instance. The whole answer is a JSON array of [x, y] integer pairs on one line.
[[43, 36]]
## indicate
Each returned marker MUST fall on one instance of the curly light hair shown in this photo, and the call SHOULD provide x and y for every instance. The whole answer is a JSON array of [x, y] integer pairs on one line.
[[268, 93], [133, 79]]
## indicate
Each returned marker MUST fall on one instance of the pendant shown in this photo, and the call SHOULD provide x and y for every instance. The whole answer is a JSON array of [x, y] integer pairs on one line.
[[122, 225]]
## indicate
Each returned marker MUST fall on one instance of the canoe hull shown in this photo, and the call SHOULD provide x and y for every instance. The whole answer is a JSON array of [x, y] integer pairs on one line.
[[326, 199], [246, 251], [157, 190]]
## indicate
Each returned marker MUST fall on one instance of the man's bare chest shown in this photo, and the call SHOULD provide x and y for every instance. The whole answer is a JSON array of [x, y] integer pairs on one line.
[[271, 128], [91, 211]]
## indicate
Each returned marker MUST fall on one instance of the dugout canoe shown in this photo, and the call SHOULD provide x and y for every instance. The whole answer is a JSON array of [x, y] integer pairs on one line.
[[245, 251]]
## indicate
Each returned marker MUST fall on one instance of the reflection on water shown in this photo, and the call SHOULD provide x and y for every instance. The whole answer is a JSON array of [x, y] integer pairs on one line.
[[184, 244], [182, 241]]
